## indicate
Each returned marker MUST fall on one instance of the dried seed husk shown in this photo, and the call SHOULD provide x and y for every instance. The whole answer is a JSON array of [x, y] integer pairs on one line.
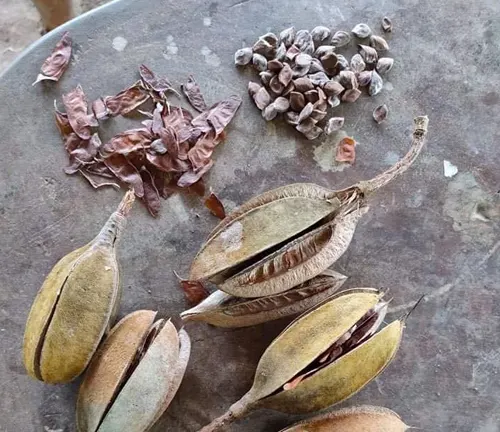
[[333, 88], [292, 117], [353, 419], [243, 56], [311, 96], [376, 84], [351, 95], [281, 52], [285, 75], [297, 351], [276, 86], [333, 101], [266, 76], [319, 78], [319, 34], [380, 113], [264, 48], [287, 36], [334, 124], [303, 41], [303, 84], [362, 31], [248, 244], [323, 50], [386, 24], [316, 66], [348, 79], [384, 65], [75, 306], [342, 62], [269, 113], [357, 63], [223, 310], [259, 62], [314, 133], [149, 362], [340, 39], [297, 101], [262, 98], [329, 62], [274, 65], [364, 78], [292, 52], [369, 54], [306, 111], [379, 43], [281, 104]]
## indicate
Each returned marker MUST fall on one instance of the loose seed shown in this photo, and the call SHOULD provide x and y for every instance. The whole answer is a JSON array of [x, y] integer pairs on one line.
[[276, 86], [297, 101], [333, 88], [292, 117], [376, 84], [379, 43], [351, 95], [323, 50], [269, 113], [274, 65], [271, 39], [285, 75], [281, 104], [368, 53], [318, 115], [384, 65], [348, 79], [340, 39], [362, 31], [288, 89], [319, 78], [306, 125], [387, 24], [357, 63], [333, 101], [264, 48], [314, 133], [316, 66], [342, 62], [253, 88], [287, 36], [306, 112], [303, 84], [380, 113], [334, 124], [243, 56], [281, 52], [303, 60], [364, 78], [266, 77], [292, 52], [304, 41], [320, 34], [262, 98], [259, 62], [311, 96], [329, 62]]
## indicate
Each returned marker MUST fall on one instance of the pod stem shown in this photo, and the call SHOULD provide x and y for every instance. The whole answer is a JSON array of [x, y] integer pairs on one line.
[[237, 411], [420, 125]]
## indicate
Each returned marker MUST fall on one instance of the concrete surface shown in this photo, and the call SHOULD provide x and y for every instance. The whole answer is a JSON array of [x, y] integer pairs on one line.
[[421, 236]]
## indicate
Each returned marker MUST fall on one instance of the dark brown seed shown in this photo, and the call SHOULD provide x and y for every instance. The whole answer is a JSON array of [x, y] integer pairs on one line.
[[334, 124], [329, 62], [292, 52], [333, 88], [362, 31], [276, 86], [287, 36], [368, 53], [259, 62], [303, 84], [384, 65], [214, 204], [306, 126], [262, 98], [351, 95], [380, 113], [387, 24], [379, 43], [311, 96], [274, 65], [264, 48], [266, 77], [316, 66], [318, 115], [306, 112], [348, 79], [243, 56], [292, 117], [346, 150], [340, 39], [323, 50], [281, 104], [285, 75], [269, 113], [271, 39], [319, 78], [288, 89], [376, 84], [364, 78], [297, 101]]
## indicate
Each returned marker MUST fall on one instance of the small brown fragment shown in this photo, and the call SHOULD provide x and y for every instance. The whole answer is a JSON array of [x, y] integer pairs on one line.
[[380, 113], [303, 84], [333, 88], [276, 86], [56, 64], [285, 75], [194, 291], [329, 62], [274, 65], [215, 206], [297, 101], [193, 94], [346, 150], [351, 95], [387, 24], [311, 96], [80, 120], [151, 196]]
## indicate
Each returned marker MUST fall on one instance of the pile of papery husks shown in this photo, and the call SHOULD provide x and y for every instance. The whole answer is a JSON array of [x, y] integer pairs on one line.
[[171, 151]]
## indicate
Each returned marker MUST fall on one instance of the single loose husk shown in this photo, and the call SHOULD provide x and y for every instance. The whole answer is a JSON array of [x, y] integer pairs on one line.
[[304, 341], [354, 419], [134, 375], [75, 306]]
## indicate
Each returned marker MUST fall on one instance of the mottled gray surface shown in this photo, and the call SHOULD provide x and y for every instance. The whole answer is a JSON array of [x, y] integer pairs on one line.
[[418, 238]]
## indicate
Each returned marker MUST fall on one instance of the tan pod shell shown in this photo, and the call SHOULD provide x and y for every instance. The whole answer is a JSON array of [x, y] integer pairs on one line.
[[75, 305]]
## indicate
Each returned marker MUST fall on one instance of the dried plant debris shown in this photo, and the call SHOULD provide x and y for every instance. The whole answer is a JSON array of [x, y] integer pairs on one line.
[[346, 150], [214, 204], [169, 152], [56, 64], [302, 72]]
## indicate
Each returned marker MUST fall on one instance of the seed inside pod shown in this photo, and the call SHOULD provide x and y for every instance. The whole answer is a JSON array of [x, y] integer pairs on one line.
[[285, 75], [287, 36], [353, 419], [223, 310], [379, 43], [259, 62], [333, 88], [75, 305], [281, 104], [357, 63], [340, 39], [297, 101], [243, 56], [303, 84], [361, 31], [387, 24], [348, 79], [323, 50], [380, 113], [274, 65], [138, 357], [369, 54], [334, 124], [269, 113], [320, 34], [376, 84], [364, 78], [351, 95], [384, 65]]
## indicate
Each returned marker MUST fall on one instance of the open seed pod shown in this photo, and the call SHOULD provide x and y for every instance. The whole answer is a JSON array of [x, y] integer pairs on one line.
[[288, 235], [134, 375], [75, 306], [322, 358], [223, 310], [354, 419]]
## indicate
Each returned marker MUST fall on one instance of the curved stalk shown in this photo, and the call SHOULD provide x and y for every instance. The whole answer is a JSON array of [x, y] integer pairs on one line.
[[237, 411]]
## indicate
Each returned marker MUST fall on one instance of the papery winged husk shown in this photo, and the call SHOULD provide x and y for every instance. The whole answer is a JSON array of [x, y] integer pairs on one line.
[[74, 306], [297, 261], [354, 419], [128, 385], [223, 310]]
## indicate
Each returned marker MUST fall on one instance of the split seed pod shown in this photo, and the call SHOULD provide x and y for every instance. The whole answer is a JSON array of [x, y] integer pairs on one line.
[[322, 358], [75, 306], [223, 310], [271, 244], [354, 419], [134, 375]]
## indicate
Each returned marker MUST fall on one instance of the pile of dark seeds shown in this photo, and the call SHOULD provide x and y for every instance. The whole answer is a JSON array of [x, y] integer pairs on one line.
[[302, 73]]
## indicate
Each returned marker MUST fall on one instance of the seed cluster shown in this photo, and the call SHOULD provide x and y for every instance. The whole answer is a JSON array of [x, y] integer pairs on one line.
[[302, 73]]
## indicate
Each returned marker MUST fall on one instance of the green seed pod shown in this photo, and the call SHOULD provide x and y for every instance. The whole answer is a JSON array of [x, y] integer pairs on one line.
[[355, 419], [223, 310], [134, 375], [75, 305], [288, 235], [322, 358]]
